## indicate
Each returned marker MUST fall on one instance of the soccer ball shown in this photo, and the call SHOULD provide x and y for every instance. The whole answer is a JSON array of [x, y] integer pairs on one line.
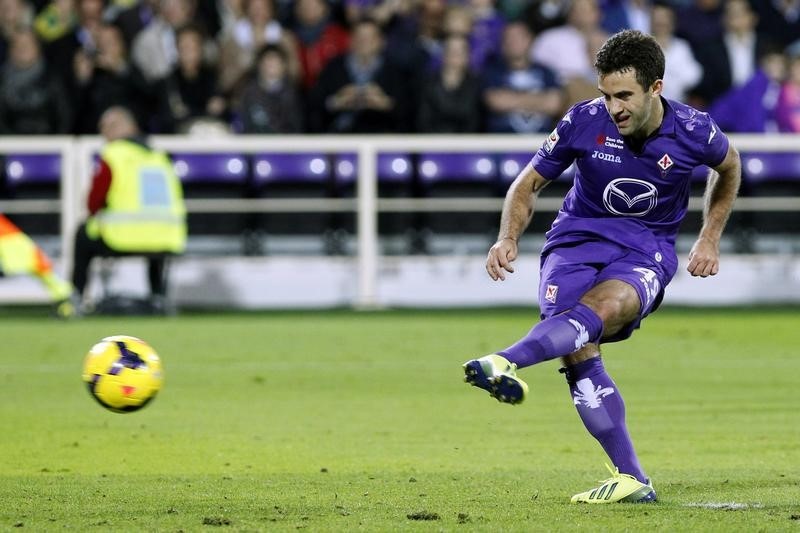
[[123, 373]]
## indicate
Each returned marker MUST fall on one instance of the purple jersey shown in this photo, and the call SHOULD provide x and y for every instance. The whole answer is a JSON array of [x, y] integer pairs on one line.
[[635, 199]]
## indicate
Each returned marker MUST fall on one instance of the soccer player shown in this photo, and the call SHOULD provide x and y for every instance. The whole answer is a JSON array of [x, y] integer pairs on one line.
[[611, 250]]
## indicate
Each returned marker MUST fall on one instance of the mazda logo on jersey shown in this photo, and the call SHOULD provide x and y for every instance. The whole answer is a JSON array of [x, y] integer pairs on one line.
[[630, 197]]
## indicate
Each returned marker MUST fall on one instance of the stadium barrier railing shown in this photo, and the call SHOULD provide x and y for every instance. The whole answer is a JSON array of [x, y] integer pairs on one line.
[[77, 156]]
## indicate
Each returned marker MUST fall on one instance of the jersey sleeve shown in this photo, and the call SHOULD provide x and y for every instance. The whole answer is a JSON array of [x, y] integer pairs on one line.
[[716, 145], [557, 152]]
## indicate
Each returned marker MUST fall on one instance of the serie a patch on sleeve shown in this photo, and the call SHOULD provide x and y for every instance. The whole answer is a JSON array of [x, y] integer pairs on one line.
[[551, 141]]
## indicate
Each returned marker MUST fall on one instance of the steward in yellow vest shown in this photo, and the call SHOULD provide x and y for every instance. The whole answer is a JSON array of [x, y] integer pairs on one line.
[[136, 205]]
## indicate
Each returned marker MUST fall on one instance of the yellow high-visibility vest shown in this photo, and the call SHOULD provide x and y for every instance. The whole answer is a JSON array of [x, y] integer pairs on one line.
[[144, 208]]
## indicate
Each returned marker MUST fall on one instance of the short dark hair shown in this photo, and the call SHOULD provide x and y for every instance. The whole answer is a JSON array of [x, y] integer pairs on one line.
[[632, 49], [271, 48]]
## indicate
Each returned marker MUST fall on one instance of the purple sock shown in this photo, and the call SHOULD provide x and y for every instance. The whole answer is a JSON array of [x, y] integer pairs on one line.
[[602, 410], [556, 336]]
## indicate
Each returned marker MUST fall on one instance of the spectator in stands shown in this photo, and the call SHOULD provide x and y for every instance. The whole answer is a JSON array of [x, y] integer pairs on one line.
[[476, 20], [450, 100], [14, 15], [566, 49], [320, 39], [429, 20], [682, 69], [248, 35], [520, 96], [788, 108], [108, 78], [135, 206], [731, 59], [458, 20], [483, 28], [751, 107], [780, 19], [270, 102], [61, 52], [626, 14], [155, 50], [700, 21], [361, 91], [191, 91], [32, 100], [136, 18], [397, 19], [487, 33]]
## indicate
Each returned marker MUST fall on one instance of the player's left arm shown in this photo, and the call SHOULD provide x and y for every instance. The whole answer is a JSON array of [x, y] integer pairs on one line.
[[721, 191]]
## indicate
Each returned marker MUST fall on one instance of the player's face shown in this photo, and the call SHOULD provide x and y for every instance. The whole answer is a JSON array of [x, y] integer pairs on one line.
[[636, 112]]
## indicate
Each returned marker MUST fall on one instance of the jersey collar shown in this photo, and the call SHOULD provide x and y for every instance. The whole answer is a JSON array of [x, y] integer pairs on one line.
[[668, 121]]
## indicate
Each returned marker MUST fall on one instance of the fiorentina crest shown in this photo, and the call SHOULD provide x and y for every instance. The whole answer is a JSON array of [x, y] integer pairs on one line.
[[589, 394], [550, 293]]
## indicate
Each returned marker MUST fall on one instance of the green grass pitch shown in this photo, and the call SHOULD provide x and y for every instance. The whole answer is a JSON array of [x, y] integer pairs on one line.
[[342, 421]]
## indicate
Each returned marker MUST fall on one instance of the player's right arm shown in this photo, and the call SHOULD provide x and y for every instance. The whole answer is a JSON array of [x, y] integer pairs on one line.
[[517, 214], [721, 191]]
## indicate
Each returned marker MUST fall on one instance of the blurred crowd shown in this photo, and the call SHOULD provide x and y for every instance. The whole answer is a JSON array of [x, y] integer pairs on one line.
[[378, 66]]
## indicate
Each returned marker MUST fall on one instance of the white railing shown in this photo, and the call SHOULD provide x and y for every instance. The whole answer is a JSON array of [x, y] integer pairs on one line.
[[77, 156]]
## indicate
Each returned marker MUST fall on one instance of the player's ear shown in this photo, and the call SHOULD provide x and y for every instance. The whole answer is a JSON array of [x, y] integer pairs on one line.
[[657, 87]]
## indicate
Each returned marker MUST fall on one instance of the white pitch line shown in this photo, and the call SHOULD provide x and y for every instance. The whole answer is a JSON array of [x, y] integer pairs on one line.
[[725, 506]]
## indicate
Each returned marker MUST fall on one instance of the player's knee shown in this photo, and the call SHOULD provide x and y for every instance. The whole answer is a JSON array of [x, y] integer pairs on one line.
[[588, 351], [605, 308], [614, 313]]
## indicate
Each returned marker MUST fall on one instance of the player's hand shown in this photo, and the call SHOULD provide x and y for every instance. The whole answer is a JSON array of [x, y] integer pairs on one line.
[[501, 254], [704, 258]]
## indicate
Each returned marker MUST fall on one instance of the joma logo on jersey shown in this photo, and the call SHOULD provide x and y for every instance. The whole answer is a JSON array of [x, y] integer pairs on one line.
[[606, 157]]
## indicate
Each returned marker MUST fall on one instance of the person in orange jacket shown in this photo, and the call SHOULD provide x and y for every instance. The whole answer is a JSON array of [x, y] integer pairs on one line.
[[20, 255]]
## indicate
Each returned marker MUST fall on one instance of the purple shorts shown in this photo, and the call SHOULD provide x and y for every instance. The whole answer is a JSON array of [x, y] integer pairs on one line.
[[568, 272]]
